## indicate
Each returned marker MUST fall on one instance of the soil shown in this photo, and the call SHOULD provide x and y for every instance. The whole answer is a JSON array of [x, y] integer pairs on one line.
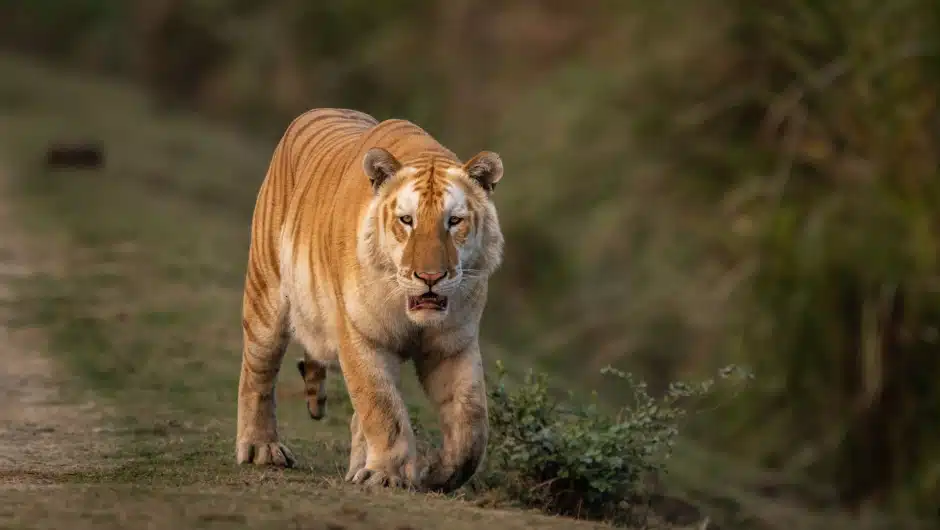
[[43, 429]]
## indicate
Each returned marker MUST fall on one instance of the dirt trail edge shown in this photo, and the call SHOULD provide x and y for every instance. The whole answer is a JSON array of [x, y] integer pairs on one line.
[[42, 432]]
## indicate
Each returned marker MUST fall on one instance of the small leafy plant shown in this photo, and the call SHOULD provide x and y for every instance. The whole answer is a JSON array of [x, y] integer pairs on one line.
[[576, 460]]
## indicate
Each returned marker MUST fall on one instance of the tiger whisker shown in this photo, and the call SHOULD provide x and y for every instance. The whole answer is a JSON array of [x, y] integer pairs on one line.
[[396, 290]]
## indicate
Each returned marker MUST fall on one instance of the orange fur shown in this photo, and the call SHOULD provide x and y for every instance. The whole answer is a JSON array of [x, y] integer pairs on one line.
[[372, 244]]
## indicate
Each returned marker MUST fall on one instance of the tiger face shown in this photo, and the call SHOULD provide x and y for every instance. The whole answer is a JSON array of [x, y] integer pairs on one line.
[[433, 228]]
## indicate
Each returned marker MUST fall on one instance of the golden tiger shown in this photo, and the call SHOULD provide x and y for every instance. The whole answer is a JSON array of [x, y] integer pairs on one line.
[[372, 244]]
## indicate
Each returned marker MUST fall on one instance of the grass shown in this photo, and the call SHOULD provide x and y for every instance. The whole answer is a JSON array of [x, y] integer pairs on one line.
[[145, 317], [264, 506]]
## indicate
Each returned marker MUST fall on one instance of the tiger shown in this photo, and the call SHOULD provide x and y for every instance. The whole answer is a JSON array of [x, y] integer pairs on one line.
[[372, 245]]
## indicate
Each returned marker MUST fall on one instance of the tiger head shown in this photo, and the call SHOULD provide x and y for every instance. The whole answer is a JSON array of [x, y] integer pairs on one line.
[[432, 227]]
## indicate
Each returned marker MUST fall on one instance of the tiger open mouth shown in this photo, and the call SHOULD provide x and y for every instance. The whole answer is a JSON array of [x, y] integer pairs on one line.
[[428, 300]]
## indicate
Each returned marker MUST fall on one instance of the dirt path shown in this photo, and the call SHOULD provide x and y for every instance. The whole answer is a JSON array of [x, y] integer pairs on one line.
[[41, 430]]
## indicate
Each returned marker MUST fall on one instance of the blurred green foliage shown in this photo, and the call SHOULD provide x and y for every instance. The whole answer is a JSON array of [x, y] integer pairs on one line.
[[825, 161], [688, 184], [577, 460]]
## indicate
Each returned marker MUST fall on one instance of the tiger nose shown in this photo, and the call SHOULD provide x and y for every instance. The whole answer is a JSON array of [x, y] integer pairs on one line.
[[430, 278]]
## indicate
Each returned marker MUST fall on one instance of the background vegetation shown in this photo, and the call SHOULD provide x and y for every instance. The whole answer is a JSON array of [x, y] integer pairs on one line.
[[689, 184]]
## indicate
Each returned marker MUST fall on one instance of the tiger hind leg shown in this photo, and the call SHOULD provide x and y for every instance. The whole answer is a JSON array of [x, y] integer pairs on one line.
[[313, 373]]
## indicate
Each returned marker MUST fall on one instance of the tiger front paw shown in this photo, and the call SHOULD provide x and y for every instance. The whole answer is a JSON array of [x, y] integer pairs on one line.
[[264, 454]]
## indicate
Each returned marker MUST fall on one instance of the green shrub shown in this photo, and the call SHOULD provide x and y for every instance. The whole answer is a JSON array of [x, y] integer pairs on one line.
[[580, 460]]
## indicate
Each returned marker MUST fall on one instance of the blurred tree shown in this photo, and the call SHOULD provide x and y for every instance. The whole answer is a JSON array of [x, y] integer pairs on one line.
[[830, 149]]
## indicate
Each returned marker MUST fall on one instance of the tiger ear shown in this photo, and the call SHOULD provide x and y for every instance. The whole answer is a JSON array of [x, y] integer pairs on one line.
[[380, 165], [486, 167]]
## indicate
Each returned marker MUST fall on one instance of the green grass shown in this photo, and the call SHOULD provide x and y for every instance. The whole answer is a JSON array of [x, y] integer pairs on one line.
[[270, 503], [146, 317]]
